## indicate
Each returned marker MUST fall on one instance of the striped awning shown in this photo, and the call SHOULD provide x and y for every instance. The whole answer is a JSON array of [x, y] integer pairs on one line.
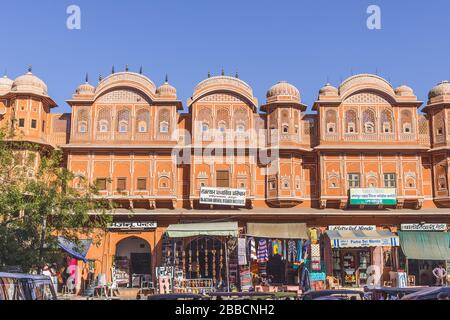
[[362, 239]]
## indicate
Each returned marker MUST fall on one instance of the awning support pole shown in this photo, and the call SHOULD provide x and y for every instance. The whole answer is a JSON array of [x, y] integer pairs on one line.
[[227, 265]]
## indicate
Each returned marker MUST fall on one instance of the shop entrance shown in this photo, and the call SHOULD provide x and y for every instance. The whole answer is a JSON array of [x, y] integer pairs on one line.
[[132, 263], [422, 270]]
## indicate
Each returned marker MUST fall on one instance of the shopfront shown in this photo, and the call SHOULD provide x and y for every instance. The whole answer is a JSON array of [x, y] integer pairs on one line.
[[276, 255], [423, 251], [358, 254], [202, 257]]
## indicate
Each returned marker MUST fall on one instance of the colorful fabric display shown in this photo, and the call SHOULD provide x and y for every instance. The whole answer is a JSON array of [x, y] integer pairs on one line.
[[292, 251], [263, 254], [299, 250], [277, 247], [314, 236], [284, 250], [252, 245]]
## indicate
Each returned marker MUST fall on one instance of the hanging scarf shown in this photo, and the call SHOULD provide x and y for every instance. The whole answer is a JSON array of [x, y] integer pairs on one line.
[[263, 254], [252, 246], [277, 247], [299, 250], [292, 251], [284, 257]]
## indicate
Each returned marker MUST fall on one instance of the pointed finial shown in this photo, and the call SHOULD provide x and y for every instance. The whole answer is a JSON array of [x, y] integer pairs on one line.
[[141, 70], [30, 68], [209, 74], [113, 70], [237, 75], [126, 68], [100, 78], [87, 78], [223, 72], [167, 78]]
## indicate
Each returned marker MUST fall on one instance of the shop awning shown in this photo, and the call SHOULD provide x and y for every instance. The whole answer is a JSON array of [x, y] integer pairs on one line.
[[362, 239], [425, 245], [77, 251], [220, 229], [277, 230]]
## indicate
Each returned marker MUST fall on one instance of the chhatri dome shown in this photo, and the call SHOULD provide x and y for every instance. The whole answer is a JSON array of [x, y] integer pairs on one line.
[[29, 83], [86, 88], [283, 91], [5, 85], [442, 89], [329, 90], [404, 90], [166, 90]]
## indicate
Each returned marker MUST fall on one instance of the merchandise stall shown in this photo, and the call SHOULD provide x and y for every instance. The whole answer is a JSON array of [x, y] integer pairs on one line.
[[358, 255], [424, 251], [276, 255], [203, 256]]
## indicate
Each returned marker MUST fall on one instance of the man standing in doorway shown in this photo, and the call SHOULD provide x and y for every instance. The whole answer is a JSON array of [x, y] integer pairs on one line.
[[441, 275]]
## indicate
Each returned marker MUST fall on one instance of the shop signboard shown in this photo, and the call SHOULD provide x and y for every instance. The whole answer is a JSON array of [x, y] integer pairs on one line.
[[352, 228], [223, 196], [424, 227], [365, 243], [132, 226], [373, 196], [165, 272]]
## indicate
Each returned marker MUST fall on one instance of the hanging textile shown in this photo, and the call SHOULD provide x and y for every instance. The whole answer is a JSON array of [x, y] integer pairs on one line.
[[305, 281], [299, 250], [284, 250], [242, 249], [263, 254], [252, 245], [277, 247], [292, 251], [314, 236]]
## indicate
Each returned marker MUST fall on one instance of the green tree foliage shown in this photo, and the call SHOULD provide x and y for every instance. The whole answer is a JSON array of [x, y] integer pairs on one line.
[[38, 204]]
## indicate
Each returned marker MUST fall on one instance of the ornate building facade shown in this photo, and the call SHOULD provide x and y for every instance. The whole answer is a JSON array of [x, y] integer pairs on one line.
[[134, 141]]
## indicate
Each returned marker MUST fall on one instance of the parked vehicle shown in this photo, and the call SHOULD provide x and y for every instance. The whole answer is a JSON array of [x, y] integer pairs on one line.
[[339, 294], [388, 293], [427, 294], [180, 296], [26, 287]]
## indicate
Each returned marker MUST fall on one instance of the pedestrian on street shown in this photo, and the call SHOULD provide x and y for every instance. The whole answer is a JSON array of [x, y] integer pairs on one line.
[[440, 274]]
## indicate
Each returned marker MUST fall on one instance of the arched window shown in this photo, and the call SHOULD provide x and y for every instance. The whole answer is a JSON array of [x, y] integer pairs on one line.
[[164, 121], [104, 120], [285, 121], [369, 121], [223, 120], [82, 121], [205, 119], [241, 119], [386, 123], [351, 122], [164, 183], [143, 120], [406, 121], [123, 120], [296, 121], [331, 120]]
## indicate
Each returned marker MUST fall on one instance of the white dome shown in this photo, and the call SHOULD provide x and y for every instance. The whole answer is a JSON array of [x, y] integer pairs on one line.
[[283, 91], [404, 90], [29, 83], [167, 90], [328, 90], [5, 85], [85, 89], [442, 89]]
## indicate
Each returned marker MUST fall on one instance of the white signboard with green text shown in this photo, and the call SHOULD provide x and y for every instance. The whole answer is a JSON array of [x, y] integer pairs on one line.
[[373, 196]]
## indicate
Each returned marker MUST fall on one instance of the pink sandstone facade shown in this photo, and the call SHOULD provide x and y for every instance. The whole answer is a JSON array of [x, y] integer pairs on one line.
[[131, 138]]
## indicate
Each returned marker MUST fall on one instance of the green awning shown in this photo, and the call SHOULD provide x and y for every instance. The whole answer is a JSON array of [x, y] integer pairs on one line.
[[221, 229], [277, 230], [425, 245]]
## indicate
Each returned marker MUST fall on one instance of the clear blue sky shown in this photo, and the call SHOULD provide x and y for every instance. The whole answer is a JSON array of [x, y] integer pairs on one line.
[[303, 42]]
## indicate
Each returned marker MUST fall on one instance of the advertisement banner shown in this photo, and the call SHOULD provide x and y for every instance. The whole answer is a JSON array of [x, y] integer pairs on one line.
[[373, 196], [223, 196], [424, 227], [352, 228]]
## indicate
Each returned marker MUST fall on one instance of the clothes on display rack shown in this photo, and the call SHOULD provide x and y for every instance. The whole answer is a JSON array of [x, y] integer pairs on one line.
[[305, 281], [314, 236], [252, 246], [277, 247], [292, 251], [263, 254], [284, 256], [299, 250]]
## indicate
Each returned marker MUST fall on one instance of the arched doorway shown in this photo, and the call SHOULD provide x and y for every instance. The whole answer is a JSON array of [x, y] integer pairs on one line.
[[132, 263]]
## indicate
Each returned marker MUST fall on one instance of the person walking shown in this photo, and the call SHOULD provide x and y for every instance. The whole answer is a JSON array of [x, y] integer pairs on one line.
[[440, 274]]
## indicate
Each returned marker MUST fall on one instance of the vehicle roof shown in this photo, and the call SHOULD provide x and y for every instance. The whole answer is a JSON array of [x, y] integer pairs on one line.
[[395, 290], [333, 292], [240, 294], [24, 276], [427, 291], [175, 296]]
